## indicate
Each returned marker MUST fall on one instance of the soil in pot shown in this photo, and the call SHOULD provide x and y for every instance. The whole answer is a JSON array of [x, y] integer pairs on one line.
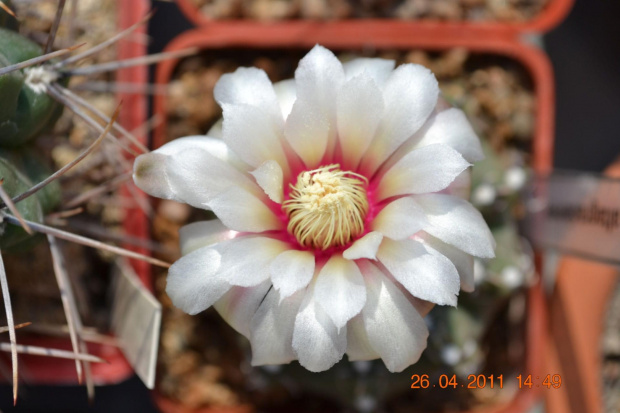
[[447, 10]]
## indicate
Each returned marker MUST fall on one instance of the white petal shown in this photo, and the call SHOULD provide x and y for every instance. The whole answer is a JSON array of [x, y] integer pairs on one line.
[[461, 186], [246, 260], [358, 346], [202, 234], [340, 290], [447, 126], [194, 283], [216, 130], [271, 331], [451, 127], [248, 131], [318, 77], [239, 304], [213, 145], [149, 174], [428, 169], [311, 125], [456, 222], [191, 170], [307, 130], [365, 247], [410, 96], [316, 340], [463, 262], [424, 272], [291, 271], [287, 94], [249, 86], [423, 307], [400, 219], [378, 69], [395, 329], [242, 211], [269, 176], [359, 110]]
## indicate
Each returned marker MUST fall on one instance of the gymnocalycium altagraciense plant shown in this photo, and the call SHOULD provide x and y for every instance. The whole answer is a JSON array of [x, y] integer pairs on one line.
[[34, 89], [25, 112]]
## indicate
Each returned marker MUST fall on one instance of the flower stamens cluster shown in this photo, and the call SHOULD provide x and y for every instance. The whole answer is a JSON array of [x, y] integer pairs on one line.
[[327, 207]]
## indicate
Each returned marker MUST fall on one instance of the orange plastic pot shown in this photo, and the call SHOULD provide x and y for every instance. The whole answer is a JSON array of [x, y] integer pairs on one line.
[[553, 13], [133, 115], [42, 370], [377, 35]]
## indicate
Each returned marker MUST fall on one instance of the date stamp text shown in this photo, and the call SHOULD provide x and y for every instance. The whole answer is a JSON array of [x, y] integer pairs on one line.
[[480, 381]]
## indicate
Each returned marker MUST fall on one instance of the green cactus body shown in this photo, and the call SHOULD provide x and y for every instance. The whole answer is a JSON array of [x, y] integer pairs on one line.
[[11, 85], [31, 164], [26, 112], [14, 183]]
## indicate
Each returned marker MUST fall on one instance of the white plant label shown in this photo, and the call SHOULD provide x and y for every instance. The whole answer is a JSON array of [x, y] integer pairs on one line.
[[576, 213], [136, 320]]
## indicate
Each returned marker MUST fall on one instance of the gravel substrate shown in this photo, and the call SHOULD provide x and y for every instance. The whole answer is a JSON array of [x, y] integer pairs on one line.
[[450, 10]]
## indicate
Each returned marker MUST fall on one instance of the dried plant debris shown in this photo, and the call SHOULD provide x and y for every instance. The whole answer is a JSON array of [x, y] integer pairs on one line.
[[451, 10]]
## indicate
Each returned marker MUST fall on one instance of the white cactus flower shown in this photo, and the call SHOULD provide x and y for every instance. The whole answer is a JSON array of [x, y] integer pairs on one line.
[[341, 218]]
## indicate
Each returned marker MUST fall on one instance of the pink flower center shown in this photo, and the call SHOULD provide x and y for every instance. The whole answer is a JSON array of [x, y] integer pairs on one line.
[[327, 207]]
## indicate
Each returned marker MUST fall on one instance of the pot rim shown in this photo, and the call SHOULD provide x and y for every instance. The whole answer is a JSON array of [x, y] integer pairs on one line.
[[546, 20]]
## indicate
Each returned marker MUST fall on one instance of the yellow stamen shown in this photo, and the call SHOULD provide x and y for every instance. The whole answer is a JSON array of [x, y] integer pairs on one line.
[[326, 207]]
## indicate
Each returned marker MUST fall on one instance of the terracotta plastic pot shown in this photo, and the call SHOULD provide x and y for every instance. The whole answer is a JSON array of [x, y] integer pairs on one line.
[[553, 13], [133, 115], [378, 35], [42, 370]]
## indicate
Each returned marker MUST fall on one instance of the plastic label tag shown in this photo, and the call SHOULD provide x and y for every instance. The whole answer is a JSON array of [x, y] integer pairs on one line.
[[136, 320], [576, 213]]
